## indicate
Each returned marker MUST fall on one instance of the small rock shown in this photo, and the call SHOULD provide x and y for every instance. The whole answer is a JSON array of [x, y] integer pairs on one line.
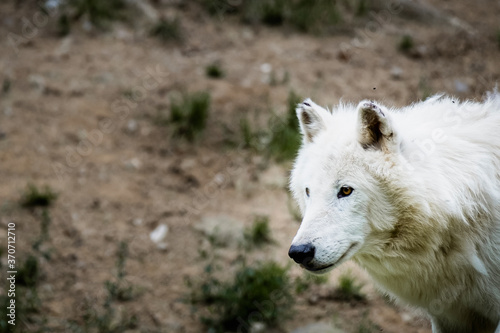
[[132, 126], [223, 230], [137, 222], [396, 72], [219, 178], [7, 110], [461, 87], [37, 82], [52, 4], [258, 327], [266, 68], [313, 299], [159, 235], [133, 163], [320, 327]]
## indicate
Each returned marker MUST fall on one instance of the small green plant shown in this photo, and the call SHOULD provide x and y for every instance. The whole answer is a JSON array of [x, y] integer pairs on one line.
[[7, 84], [259, 293], [214, 71], [189, 115], [28, 312], [167, 30], [103, 319], [304, 283], [348, 289], [285, 136], [28, 273], [367, 326], [64, 25], [314, 16], [259, 233], [120, 289], [98, 12], [406, 43], [221, 7], [106, 318], [362, 8], [303, 15], [34, 197]]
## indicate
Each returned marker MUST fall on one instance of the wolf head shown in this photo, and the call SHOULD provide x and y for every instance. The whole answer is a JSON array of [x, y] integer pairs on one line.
[[338, 181]]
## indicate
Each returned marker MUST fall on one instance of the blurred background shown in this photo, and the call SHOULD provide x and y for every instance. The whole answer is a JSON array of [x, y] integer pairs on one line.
[[146, 144]]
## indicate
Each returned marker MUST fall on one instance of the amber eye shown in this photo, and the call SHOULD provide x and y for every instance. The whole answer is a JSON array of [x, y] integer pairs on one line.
[[307, 191], [345, 191]]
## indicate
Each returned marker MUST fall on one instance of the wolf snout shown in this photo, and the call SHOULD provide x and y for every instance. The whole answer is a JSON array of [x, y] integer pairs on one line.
[[302, 254]]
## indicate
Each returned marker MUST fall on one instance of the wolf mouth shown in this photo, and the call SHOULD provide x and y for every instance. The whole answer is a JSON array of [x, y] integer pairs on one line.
[[322, 268]]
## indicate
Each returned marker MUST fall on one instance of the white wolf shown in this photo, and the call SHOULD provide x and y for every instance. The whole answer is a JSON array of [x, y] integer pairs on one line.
[[413, 196]]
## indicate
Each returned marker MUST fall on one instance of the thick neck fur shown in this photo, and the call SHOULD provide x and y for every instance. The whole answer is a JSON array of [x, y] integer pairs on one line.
[[404, 257]]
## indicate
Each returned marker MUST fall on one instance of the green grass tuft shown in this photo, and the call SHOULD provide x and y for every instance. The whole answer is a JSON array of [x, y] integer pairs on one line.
[[214, 71], [348, 289], [34, 197], [314, 16], [260, 293], [120, 289], [307, 280], [303, 15], [285, 135], [167, 30], [189, 115], [259, 233], [98, 12], [406, 43]]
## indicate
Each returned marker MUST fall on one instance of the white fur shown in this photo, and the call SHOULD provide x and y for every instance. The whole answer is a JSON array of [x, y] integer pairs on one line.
[[424, 216]]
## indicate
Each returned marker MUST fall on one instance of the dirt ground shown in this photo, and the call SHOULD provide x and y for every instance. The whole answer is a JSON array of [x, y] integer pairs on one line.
[[66, 123]]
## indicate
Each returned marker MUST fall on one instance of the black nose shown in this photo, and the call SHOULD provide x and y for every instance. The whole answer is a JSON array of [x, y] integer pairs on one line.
[[302, 254]]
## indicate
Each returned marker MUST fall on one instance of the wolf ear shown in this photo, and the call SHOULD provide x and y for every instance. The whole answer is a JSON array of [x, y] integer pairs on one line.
[[311, 119], [375, 128]]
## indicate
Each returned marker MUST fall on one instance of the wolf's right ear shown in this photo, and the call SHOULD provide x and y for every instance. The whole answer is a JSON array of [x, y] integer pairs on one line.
[[375, 128], [311, 119]]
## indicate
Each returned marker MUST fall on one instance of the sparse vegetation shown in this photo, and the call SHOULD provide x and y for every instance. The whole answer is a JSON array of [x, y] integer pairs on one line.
[[314, 16], [108, 318], [189, 115], [259, 293], [214, 71], [498, 37], [348, 289], [362, 8], [28, 305], [302, 15], [64, 25], [7, 83], [97, 12], [406, 44], [167, 30], [285, 135], [282, 138], [34, 197], [259, 233], [120, 289], [307, 280], [367, 326]]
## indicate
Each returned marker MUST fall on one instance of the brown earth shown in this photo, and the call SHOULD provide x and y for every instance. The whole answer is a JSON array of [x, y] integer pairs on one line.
[[119, 174]]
